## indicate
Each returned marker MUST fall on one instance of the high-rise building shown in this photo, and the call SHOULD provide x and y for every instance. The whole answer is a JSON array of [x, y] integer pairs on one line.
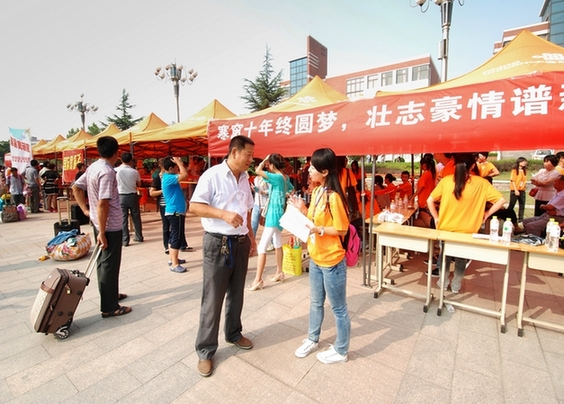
[[408, 74], [304, 69], [552, 11]]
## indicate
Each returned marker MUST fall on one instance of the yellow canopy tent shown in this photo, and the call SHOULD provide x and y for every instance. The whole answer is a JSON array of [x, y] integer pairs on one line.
[[183, 138], [125, 138], [110, 130], [38, 145], [77, 141], [49, 149]]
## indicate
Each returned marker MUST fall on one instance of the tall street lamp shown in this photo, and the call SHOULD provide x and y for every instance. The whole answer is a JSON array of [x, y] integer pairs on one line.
[[446, 20], [178, 75], [82, 108]]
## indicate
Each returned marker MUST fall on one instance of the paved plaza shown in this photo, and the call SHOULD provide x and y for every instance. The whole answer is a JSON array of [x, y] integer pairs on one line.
[[398, 353]]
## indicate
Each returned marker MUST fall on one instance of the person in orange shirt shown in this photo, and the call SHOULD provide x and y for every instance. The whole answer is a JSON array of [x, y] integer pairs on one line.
[[357, 172], [560, 166], [425, 186], [405, 188], [486, 168], [391, 188], [327, 266], [447, 162], [348, 184], [463, 198], [518, 186]]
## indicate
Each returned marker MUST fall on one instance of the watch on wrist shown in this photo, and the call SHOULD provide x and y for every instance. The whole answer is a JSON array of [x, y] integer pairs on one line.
[[321, 231]]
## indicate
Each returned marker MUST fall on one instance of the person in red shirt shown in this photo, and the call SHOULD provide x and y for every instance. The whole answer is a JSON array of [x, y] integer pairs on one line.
[[425, 186], [405, 188]]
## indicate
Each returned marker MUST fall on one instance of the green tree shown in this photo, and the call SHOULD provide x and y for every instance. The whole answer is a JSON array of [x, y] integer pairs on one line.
[[94, 129], [265, 91], [125, 119], [72, 132], [4, 148]]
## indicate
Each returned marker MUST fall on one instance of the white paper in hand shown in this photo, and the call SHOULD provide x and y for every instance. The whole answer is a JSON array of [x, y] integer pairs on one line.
[[296, 223]]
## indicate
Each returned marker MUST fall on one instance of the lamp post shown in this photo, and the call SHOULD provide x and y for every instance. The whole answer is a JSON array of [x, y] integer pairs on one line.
[[82, 107], [446, 20], [178, 75]]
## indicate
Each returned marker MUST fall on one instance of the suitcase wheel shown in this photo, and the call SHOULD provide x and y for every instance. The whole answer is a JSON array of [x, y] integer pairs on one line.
[[63, 332]]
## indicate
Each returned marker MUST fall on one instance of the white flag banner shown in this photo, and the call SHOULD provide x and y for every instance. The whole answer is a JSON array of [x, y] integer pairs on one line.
[[20, 148]]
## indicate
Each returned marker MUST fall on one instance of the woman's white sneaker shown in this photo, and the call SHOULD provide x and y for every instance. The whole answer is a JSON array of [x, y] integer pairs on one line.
[[307, 347], [331, 356]]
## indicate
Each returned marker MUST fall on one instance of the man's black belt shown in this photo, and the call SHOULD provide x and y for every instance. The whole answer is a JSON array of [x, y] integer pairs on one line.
[[132, 193], [236, 238]]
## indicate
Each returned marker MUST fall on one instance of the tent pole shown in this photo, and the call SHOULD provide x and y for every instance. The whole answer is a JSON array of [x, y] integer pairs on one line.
[[371, 225], [412, 174], [363, 215]]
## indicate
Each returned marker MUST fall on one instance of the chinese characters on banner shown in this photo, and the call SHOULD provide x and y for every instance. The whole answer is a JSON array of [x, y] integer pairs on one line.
[[485, 116], [70, 159], [20, 148]]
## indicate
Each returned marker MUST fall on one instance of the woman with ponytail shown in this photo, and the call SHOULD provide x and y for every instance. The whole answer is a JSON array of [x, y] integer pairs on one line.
[[462, 198], [327, 267]]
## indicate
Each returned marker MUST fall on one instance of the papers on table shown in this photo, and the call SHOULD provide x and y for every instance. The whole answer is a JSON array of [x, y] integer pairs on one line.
[[296, 223]]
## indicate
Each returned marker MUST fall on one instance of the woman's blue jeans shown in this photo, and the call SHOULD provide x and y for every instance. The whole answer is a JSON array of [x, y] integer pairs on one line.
[[330, 282]]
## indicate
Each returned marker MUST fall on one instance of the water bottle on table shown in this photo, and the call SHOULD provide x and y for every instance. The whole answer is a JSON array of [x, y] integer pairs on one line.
[[507, 232], [494, 230], [554, 237]]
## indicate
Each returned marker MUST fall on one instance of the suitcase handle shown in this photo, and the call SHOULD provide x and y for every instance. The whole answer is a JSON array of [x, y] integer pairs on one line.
[[93, 260], [59, 199]]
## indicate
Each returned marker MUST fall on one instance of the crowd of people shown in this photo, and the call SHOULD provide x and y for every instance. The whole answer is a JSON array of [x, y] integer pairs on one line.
[[236, 195]]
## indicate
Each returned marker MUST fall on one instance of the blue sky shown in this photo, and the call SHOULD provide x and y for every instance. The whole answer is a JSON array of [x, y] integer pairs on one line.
[[54, 51]]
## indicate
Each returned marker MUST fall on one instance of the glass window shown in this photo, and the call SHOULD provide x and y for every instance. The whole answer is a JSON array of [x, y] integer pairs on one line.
[[355, 87], [401, 76], [420, 72], [557, 39], [555, 18], [373, 81], [298, 75], [387, 78], [557, 6]]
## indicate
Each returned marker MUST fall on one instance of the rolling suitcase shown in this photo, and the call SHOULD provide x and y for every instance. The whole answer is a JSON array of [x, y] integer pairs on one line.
[[78, 214], [58, 298], [66, 224]]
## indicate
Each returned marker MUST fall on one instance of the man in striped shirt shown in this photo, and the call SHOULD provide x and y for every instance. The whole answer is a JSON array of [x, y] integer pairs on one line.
[[100, 182]]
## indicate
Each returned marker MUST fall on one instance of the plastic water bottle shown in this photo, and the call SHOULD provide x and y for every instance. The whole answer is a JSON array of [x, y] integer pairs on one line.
[[549, 225], [507, 232], [494, 230], [405, 201], [392, 206], [553, 237]]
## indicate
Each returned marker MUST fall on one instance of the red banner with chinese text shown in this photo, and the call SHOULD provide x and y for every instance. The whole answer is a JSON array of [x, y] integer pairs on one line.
[[522, 113], [70, 159]]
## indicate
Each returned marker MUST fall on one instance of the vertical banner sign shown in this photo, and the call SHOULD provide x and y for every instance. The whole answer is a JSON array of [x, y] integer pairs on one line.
[[20, 148], [70, 159]]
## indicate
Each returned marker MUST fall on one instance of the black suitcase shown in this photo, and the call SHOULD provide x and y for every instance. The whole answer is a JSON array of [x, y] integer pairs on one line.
[[58, 298], [66, 224], [78, 214]]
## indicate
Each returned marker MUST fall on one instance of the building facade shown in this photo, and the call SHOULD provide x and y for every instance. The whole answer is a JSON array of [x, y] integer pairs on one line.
[[552, 11], [304, 69], [404, 75], [540, 29]]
